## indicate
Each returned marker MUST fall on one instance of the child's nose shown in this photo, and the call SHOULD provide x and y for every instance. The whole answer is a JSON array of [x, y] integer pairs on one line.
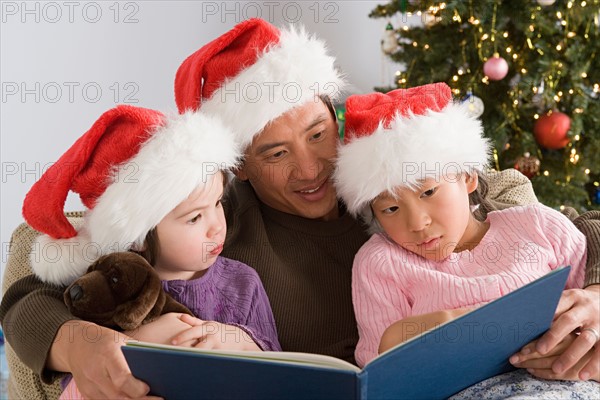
[[418, 220], [216, 226]]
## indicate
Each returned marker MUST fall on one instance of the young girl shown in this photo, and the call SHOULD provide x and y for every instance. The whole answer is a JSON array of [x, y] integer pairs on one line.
[[411, 167], [154, 186]]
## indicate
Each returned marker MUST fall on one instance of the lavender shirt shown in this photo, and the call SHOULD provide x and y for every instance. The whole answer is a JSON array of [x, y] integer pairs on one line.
[[230, 293]]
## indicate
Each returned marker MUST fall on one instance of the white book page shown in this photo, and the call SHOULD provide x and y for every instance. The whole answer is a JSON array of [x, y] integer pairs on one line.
[[316, 360]]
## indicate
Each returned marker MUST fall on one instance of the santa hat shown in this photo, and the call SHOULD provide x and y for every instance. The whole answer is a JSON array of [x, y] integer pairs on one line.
[[131, 169], [253, 74], [400, 138]]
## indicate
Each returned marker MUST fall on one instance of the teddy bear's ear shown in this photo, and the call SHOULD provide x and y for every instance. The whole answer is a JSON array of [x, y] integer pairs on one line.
[[132, 314]]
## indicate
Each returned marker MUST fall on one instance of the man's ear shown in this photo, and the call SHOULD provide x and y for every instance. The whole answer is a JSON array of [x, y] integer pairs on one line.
[[240, 172], [471, 180]]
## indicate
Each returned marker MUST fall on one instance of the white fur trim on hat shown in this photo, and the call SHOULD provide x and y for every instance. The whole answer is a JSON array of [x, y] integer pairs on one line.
[[287, 75], [61, 261], [412, 149]]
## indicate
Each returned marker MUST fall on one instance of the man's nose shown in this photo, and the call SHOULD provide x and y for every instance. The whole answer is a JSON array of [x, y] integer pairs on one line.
[[306, 166]]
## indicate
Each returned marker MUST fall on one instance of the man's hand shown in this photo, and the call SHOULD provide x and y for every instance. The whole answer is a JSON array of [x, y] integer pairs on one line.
[[560, 353], [93, 355], [213, 335]]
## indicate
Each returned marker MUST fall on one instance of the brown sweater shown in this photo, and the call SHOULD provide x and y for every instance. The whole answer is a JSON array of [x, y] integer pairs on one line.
[[305, 266]]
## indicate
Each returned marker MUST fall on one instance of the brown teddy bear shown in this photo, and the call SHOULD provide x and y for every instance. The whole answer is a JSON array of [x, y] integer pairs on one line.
[[120, 291]]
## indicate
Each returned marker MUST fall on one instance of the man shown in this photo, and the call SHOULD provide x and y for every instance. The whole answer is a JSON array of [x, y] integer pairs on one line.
[[284, 219]]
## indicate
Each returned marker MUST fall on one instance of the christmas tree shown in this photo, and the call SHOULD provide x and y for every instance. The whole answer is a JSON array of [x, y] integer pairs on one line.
[[529, 68]]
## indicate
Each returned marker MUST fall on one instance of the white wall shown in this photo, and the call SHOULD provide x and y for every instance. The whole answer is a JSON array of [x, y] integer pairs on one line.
[[64, 63]]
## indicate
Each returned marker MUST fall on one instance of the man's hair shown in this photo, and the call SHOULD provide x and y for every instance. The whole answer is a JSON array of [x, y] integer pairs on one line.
[[327, 101]]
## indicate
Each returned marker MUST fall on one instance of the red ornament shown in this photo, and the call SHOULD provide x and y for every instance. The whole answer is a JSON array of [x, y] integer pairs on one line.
[[495, 68], [551, 129]]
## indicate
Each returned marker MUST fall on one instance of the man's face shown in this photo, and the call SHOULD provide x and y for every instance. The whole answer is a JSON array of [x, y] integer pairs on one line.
[[289, 164]]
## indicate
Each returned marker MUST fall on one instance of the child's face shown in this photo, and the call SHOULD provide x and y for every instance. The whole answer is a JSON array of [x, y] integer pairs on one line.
[[192, 235], [432, 221]]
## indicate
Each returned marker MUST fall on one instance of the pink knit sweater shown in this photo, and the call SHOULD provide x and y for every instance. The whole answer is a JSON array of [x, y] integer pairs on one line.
[[390, 283]]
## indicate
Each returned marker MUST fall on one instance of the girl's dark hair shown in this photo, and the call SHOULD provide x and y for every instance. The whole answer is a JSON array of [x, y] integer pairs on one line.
[[478, 198], [151, 247]]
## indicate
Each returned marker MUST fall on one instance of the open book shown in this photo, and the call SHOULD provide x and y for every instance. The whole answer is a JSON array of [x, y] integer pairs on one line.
[[435, 364]]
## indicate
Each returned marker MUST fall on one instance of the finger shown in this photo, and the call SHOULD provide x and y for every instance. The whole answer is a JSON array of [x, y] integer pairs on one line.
[[529, 352], [538, 363], [559, 330], [206, 343], [193, 333], [566, 302], [577, 350], [591, 370], [545, 373], [569, 374], [188, 319], [131, 387], [121, 380]]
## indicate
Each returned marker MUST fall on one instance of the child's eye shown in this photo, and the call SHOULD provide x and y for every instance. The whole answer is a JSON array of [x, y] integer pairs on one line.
[[389, 210], [429, 193], [195, 219]]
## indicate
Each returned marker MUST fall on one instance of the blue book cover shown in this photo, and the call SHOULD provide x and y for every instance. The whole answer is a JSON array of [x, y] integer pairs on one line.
[[434, 365]]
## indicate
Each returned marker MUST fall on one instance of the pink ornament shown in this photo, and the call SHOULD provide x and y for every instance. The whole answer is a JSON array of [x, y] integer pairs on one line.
[[495, 68]]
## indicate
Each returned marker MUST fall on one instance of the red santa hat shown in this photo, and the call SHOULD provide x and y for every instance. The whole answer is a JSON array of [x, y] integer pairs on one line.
[[254, 73], [400, 138], [131, 169]]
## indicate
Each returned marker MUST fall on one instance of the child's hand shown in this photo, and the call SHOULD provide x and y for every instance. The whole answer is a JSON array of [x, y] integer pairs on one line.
[[409, 327], [161, 330], [213, 335], [540, 365]]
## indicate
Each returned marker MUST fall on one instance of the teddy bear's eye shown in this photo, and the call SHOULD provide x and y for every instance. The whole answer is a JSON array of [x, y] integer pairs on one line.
[[115, 279]]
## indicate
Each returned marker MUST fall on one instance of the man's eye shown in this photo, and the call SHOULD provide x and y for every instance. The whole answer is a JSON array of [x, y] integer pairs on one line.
[[317, 136], [279, 154]]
